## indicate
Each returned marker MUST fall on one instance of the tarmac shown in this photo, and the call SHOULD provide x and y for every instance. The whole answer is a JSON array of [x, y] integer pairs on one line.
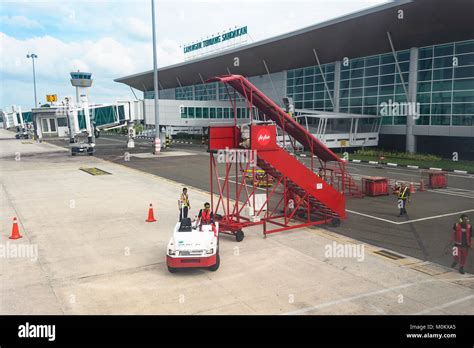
[[95, 254]]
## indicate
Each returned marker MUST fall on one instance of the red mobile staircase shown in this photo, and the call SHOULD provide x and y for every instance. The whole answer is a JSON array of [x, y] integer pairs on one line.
[[320, 199]]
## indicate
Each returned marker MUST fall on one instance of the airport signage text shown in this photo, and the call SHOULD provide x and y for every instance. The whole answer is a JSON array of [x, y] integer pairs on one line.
[[216, 39]]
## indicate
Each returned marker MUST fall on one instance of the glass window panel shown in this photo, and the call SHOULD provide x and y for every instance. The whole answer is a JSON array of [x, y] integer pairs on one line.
[[424, 75], [344, 93], [399, 120], [465, 47], [298, 72], [299, 89], [463, 120], [403, 56], [308, 71], [387, 69], [425, 64], [329, 77], [299, 105], [298, 97], [309, 80], [441, 97], [426, 52], [329, 68], [219, 112], [400, 98], [465, 96], [319, 87], [290, 91], [371, 61], [444, 62], [463, 72], [464, 84], [372, 91], [370, 101], [184, 112], [212, 112], [425, 109], [191, 112], [465, 59], [198, 112], [386, 58], [384, 90], [226, 113], [357, 73], [298, 81], [423, 120], [308, 88], [405, 66], [440, 120], [330, 85], [344, 110], [290, 74], [356, 92], [440, 109], [52, 124], [443, 50], [463, 109], [443, 74], [371, 81], [355, 102], [399, 89], [442, 85], [355, 110], [308, 96], [357, 63], [357, 83], [318, 79], [345, 75], [372, 110], [344, 102], [318, 95], [319, 104], [424, 87], [387, 79], [372, 71], [387, 120], [205, 112], [399, 80], [423, 98], [308, 104], [327, 104]]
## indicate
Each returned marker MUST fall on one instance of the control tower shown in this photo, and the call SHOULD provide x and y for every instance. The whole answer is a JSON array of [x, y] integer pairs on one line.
[[82, 81]]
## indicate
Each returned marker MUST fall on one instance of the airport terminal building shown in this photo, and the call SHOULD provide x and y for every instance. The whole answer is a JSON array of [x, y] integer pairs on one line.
[[418, 51]]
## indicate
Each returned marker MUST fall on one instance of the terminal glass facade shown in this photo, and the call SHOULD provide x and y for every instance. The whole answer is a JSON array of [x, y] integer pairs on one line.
[[214, 112], [306, 87], [445, 87]]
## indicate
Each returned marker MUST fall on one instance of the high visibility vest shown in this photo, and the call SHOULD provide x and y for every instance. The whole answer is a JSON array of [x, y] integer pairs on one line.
[[403, 193], [205, 217], [184, 200], [458, 234]]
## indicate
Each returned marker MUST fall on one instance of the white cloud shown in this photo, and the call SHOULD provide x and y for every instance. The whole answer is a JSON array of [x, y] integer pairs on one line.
[[137, 28], [105, 58], [19, 22]]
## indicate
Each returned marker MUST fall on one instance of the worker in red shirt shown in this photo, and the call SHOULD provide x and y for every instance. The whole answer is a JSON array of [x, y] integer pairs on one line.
[[462, 241], [206, 217]]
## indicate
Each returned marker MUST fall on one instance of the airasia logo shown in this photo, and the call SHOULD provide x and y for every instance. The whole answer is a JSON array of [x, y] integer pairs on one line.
[[263, 137]]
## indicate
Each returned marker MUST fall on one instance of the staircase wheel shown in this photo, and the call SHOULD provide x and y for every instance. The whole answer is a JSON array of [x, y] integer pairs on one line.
[[335, 222], [239, 236]]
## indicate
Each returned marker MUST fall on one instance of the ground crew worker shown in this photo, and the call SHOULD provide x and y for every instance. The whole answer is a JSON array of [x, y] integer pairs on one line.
[[183, 204], [462, 242], [403, 195], [206, 216]]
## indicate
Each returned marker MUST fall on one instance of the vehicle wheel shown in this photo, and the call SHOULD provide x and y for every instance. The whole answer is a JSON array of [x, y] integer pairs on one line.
[[90, 153], [335, 222], [171, 269], [215, 267], [73, 154], [239, 236]]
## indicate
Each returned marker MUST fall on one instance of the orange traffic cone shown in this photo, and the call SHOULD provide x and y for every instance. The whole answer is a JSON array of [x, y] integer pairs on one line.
[[15, 231], [422, 186], [151, 216], [412, 188]]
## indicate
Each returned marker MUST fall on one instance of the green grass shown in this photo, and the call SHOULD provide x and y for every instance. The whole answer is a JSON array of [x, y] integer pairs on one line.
[[442, 163]]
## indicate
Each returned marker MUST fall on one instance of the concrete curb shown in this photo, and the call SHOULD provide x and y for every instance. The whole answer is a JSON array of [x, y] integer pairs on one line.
[[412, 167]]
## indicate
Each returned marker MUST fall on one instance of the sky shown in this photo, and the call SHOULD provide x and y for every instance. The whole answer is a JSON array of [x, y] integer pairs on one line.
[[112, 38]]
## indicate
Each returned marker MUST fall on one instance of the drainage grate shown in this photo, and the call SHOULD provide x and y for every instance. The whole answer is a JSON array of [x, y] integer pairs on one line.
[[95, 171], [389, 254]]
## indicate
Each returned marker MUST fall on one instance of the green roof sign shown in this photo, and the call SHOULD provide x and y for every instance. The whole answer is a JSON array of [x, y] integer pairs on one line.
[[216, 39]]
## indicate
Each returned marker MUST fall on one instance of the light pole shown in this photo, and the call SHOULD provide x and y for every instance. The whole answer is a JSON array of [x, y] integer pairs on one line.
[[33, 56], [155, 82]]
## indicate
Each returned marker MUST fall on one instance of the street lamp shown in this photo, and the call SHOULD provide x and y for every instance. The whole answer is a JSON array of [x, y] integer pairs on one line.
[[155, 82], [33, 56]]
